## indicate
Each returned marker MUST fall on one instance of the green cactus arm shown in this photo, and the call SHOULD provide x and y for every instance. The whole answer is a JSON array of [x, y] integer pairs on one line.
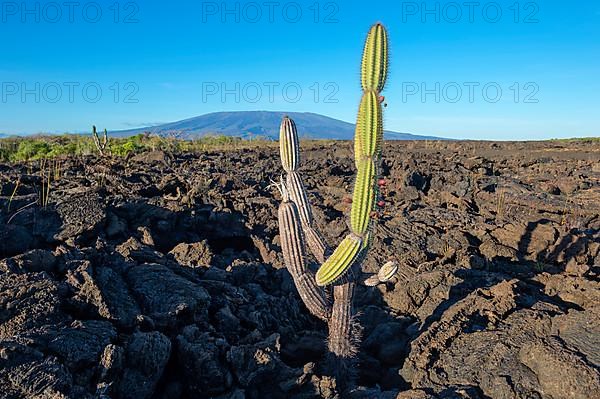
[[340, 261], [369, 128], [367, 150], [364, 198], [375, 59], [288, 145]]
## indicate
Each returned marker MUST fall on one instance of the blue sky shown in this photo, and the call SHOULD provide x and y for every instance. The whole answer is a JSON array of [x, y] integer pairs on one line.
[[457, 70]]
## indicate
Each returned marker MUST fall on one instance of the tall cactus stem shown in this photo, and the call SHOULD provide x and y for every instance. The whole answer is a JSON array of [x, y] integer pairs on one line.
[[341, 340], [375, 59], [344, 337], [368, 140]]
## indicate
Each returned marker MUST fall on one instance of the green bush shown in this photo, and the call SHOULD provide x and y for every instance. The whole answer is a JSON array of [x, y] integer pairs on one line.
[[123, 147], [4, 155], [31, 150]]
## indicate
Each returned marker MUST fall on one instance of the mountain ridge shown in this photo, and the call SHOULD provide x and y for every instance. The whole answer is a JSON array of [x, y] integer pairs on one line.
[[264, 124]]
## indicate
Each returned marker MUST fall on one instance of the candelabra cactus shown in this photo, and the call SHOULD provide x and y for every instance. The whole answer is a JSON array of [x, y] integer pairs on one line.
[[297, 231], [100, 145]]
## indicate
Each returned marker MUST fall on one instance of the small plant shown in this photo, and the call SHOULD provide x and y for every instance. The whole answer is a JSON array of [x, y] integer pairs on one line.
[[500, 203], [100, 145], [569, 211], [540, 267], [126, 146], [46, 176], [340, 268], [14, 193], [57, 170]]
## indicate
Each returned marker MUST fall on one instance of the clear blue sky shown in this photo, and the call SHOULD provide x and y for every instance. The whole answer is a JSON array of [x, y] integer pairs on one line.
[[170, 58]]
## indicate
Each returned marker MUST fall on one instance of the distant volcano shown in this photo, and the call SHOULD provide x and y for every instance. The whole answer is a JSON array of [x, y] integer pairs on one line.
[[264, 124]]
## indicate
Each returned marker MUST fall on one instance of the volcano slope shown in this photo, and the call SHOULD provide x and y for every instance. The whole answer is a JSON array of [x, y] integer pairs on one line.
[[160, 275]]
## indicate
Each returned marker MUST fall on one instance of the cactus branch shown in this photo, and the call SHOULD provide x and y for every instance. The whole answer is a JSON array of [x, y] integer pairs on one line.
[[289, 147], [298, 195], [101, 146], [290, 159], [367, 154], [375, 59], [340, 261], [292, 246]]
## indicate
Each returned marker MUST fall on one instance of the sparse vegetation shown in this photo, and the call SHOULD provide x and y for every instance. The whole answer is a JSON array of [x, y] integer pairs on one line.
[[579, 140], [33, 148]]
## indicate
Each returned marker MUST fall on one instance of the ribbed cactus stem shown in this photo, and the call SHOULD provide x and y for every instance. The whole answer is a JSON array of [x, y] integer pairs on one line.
[[363, 201], [344, 337], [288, 145], [295, 225], [289, 148], [369, 128], [292, 246], [291, 239], [298, 195], [340, 261], [342, 340], [375, 59], [315, 243]]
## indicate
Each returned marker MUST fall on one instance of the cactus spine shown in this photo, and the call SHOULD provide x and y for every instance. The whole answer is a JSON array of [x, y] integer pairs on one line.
[[296, 225]]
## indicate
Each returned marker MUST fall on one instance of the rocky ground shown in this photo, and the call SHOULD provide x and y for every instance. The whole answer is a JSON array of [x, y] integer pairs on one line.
[[160, 276]]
